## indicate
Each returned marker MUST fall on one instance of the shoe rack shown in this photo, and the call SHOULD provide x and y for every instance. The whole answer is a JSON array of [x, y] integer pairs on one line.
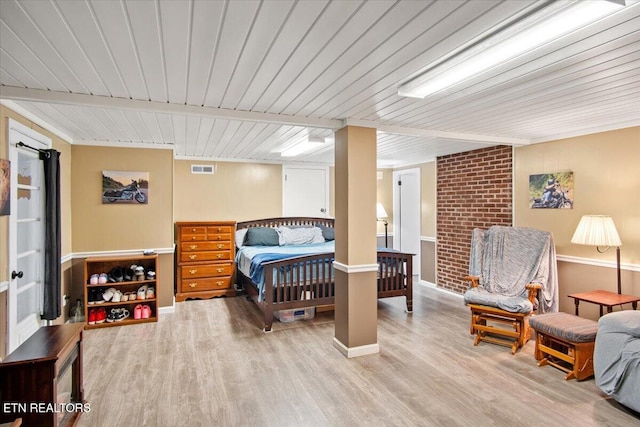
[[105, 265]]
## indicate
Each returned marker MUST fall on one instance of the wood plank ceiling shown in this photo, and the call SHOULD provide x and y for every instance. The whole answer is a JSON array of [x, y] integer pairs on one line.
[[244, 80]]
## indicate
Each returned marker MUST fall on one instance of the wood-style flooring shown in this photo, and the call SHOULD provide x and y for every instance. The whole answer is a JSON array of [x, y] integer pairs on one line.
[[209, 364]]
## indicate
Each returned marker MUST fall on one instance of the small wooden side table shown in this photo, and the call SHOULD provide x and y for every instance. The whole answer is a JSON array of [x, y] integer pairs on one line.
[[605, 299]]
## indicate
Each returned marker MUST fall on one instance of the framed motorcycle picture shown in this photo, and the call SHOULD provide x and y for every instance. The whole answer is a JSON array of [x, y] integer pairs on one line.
[[125, 187], [551, 190], [5, 187]]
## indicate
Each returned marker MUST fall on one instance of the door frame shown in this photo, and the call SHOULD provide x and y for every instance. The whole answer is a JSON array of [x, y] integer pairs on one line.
[[396, 215], [15, 337], [286, 167]]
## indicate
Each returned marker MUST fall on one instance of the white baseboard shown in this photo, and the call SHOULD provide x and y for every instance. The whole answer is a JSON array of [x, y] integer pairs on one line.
[[170, 309], [350, 352], [435, 287]]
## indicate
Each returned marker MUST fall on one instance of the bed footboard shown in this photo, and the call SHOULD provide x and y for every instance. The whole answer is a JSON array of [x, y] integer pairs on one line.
[[395, 276], [299, 282]]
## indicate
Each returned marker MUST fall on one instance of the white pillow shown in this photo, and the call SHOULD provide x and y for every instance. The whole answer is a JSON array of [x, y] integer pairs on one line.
[[240, 237], [299, 236]]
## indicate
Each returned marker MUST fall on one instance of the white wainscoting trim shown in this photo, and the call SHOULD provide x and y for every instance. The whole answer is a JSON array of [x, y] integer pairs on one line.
[[427, 239], [350, 352], [4, 286], [131, 252], [356, 268], [382, 234], [170, 309], [598, 263]]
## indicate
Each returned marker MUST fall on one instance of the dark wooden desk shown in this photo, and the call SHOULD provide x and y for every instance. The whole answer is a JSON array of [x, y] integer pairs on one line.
[[31, 376], [605, 299]]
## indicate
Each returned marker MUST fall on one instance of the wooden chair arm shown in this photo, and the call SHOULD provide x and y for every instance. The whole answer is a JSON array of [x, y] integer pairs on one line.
[[533, 289], [475, 280]]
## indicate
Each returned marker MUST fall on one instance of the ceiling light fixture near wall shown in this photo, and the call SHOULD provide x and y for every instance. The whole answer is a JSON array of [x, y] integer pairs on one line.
[[504, 44], [309, 144]]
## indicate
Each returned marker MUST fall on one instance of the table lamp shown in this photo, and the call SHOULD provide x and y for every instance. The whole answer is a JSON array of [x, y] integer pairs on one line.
[[599, 231], [381, 214]]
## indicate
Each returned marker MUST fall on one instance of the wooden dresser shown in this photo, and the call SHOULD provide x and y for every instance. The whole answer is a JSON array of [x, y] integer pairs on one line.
[[205, 265]]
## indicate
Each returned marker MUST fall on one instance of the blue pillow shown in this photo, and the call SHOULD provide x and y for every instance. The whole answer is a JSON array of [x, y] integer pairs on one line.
[[327, 232], [261, 236]]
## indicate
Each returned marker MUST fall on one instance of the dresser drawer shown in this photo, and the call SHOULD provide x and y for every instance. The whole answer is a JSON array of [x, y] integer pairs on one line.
[[219, 237], [219, 229], [205, 246], [194, 271], [205, 256], [193, 237], [194, 230], [209, 284]]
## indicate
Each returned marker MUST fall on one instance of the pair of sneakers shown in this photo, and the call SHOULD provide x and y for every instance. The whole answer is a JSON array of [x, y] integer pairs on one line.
[[98, 279], [117, 315], [112, 295], [97, 315], [146, 292], [142, 311]]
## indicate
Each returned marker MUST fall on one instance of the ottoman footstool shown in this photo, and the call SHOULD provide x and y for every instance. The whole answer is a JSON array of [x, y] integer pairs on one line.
[[566, 342]]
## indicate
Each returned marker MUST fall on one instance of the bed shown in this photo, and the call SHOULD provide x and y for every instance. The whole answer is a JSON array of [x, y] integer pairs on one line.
[[296, 276]]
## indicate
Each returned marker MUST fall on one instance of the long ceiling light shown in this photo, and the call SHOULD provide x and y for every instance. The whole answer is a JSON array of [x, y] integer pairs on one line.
[[307, 145], [505, 44]]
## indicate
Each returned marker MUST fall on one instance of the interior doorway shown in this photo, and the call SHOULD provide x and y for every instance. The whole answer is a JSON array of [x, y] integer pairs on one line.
[[305, 191], [406, 214]]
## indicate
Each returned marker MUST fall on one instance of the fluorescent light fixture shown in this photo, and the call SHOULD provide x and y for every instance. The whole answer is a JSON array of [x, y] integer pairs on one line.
[[520, 38], [309, 144]]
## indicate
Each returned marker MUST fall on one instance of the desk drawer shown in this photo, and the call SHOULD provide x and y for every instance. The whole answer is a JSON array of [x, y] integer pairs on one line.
[[205, 256], [205, 246]]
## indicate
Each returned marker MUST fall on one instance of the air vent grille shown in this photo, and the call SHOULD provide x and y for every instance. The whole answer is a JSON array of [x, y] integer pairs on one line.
[[203, 169]]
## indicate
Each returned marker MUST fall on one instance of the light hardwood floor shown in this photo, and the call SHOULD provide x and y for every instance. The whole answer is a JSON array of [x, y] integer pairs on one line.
[[208, 364]]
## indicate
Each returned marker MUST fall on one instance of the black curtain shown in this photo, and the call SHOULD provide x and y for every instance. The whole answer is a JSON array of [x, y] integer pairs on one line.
[[52, 272]]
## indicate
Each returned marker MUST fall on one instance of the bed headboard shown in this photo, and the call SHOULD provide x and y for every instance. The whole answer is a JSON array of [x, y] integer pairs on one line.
[[285, 221]]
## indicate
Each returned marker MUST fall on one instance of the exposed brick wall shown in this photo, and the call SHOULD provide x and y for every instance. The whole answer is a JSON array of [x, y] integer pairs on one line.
[[474, 190]]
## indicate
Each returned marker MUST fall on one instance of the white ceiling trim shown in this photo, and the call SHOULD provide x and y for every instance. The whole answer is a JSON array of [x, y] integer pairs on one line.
[[589, 131], [253, 161], [426, 133], [125, 144], [55, 97], [35, 119]]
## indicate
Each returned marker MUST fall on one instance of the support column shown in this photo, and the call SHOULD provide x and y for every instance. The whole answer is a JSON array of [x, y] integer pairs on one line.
[[356, 295]]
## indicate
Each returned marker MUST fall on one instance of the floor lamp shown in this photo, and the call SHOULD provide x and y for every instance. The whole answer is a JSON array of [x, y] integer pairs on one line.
[[381, 214], [599, 231]]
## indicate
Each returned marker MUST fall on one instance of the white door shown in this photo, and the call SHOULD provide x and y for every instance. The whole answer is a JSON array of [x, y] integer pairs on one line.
[[26, 234], [406, 217], [306, 191]]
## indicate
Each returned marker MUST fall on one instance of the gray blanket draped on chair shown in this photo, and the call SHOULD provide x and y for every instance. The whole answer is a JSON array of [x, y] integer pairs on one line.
[[508, 258]]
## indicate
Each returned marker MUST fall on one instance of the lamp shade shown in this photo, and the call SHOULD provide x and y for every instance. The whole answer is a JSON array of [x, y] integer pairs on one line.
[[380, 212], [596, 230]]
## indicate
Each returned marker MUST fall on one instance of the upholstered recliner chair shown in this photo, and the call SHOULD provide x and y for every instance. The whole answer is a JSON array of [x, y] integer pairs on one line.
[[512, 273], [616, 358]]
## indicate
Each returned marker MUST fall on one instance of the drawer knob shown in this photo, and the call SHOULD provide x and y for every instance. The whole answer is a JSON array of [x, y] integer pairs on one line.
[[192, 247], [220, 245], [193, 256], [192, 285], [220, 270], [220, 283], [220, 255], [193, 229], [193, 271], [193, 238], [219, 229]]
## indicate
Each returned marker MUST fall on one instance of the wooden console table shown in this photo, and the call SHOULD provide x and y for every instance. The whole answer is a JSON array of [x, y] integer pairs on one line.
[[32, 377], [605, 299]]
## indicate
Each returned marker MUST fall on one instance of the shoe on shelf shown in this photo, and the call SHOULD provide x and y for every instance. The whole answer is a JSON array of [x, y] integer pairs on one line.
[[92, 316], [93, 280], [128, 274], [151, 293], [122, 314], [111, 317], [151, 275], [142, 292], [108, 294], [137, 312], [115, 275], [117, 296], [103, 278], [146, 311], [101, 315]]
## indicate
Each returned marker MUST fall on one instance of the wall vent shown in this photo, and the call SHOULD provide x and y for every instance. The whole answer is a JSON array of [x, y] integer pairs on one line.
[[203, 169]]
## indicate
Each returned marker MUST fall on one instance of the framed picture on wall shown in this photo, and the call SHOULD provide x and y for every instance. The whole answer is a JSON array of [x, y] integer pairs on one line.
[[551, 190], [125, 187], [5, 187]]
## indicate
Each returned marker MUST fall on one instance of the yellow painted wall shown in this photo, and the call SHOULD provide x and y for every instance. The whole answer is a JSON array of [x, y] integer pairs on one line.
[[385, 196], [236, 192], [606, 182]]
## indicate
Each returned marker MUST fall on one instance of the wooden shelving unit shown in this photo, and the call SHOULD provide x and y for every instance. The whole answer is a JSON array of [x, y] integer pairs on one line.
[[98, 265]]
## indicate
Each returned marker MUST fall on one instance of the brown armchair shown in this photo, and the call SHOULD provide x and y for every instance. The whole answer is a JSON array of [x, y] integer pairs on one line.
[[513, 274]]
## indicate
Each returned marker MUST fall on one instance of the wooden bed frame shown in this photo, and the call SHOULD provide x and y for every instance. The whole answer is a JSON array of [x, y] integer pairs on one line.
[[307, 281]]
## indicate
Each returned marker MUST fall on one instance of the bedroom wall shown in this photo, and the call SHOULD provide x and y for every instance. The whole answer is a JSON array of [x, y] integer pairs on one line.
[[236, 192], [65, 209], [123, 227], [606, 182]]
